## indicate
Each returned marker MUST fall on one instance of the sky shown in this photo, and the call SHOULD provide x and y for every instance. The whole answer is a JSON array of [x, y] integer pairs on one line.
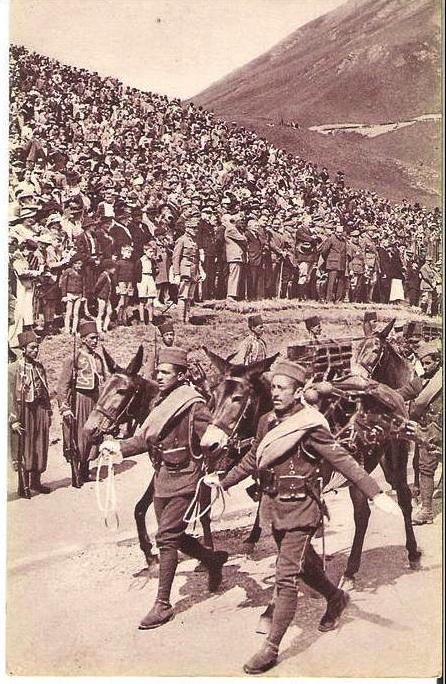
[[174, 47]]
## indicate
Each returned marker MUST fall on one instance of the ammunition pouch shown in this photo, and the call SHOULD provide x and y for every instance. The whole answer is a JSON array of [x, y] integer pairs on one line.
[[173, 459], [267, 481], [291, 488]]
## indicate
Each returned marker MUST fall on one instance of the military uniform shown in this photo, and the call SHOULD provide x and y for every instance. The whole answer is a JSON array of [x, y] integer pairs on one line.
[[252, 348], [290, 503], [171, 434]]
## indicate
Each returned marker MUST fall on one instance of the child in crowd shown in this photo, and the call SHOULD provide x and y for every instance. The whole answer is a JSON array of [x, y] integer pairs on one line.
[[103, 290], [125, 277], [72, 289], [145, 276]]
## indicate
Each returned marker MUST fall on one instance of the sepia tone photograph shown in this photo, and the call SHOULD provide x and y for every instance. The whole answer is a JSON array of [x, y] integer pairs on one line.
[[224, 323]]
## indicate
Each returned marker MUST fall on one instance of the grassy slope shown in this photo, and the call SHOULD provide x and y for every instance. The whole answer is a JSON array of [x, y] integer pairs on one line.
[[225, 327]]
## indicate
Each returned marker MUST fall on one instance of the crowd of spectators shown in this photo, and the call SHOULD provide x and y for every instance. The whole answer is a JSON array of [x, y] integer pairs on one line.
[[104, 176]]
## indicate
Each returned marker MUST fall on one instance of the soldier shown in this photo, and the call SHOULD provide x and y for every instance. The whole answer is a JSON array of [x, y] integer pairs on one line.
[[167, 332], [174, 447], [369, 323], [253, 347], [186, 264], [78, 390], [30, 416], [290, 442], [426, 409], [313, 326]]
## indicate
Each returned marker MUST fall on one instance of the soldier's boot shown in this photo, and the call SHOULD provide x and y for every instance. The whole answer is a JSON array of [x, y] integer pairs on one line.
[[213, 560], [76, 480], [424, 515], [284, 610], [84, 471], [36, 484], [162, 610], [335, 607]]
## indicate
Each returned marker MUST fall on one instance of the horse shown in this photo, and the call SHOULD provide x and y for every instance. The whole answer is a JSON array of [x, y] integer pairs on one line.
[[237, 392]]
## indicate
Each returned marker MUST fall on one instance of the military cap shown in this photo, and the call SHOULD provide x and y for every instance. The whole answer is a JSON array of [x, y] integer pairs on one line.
[[27, 337], [166, 327], [370, 316], [88, 221], [312, 322], [87, 328], [432, 348], [291, 370], [354, 233], [30, 244], [173, 355], [255, 320]]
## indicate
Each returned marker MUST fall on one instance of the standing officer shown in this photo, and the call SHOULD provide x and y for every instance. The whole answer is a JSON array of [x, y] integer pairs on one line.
[[426, 408], [171, 434], [77, 393], [185, 263], [30, 416], [291, 440]]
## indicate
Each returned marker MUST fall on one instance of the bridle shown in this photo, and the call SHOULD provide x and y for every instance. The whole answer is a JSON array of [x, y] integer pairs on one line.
[[372, 365], [122, 416], [234, 442]]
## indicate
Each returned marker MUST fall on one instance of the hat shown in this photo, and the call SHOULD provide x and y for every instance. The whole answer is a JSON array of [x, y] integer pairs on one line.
[[254, 321], [30, 244], [312, 322], [354, 233], [304, 247], [45, 239], [398, 325], [87, 328], [370, 316], [166, 327], [27, 337], [88, 221], [174, 355], [431, 348], [53, 218], [291, 370]]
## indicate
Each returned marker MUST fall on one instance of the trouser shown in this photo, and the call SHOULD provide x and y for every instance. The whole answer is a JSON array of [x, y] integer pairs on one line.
[[208, 291], [384, 290], [427, 465], [171, 538], [335, 286], [357, 288], [234, 276], [296, 559], [255, 282]]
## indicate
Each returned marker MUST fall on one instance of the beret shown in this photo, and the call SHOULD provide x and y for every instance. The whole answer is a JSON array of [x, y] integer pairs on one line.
[[255, 320], [166, 327], [370, 316]]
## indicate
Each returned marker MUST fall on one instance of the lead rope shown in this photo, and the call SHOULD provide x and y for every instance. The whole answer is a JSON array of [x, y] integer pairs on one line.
[[108, 506], [193, 513]]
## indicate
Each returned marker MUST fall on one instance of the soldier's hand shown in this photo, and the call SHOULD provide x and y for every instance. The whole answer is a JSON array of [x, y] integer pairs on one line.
[[111, 448], [386, 504], [17, 427], [67, 416], [212, 480]]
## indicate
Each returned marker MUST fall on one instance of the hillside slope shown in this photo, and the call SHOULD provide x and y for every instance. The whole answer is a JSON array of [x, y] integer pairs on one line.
[[368, 62]]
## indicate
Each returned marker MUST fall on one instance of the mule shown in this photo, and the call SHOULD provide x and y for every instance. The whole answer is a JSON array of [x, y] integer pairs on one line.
[[236, 394]]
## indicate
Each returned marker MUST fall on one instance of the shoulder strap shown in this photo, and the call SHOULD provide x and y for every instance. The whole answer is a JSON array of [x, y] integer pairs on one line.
[[191, 431]]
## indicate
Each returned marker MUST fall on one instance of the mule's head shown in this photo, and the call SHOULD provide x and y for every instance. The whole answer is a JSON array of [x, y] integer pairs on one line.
[[120, 398], [371, 350], [235, 400]]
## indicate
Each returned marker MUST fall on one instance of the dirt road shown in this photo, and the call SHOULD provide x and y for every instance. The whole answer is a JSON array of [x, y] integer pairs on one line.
[[74, 603]]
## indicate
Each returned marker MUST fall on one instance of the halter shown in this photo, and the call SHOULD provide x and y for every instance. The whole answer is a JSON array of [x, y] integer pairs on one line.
[[371, 367], [233, 441], [120, 417]]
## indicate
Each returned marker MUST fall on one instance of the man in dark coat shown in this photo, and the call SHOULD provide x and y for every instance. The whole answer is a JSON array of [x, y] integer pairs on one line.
[[171, 434], [206, 243], [255, 276], [291, 440], [334, 251], [29, 416]]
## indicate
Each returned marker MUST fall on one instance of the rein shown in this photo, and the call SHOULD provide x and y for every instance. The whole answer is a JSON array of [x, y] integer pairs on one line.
[[233, 441], [120, 417]]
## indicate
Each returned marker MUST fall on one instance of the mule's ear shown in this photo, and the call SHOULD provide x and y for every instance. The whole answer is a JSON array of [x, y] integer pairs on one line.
[[260, 367], [383, 334], [111, 363], [219, 362], [135, 364]]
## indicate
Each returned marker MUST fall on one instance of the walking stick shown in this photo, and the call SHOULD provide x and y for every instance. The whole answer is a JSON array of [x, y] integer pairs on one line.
[[73, 452], [21, 484], [280, 279]]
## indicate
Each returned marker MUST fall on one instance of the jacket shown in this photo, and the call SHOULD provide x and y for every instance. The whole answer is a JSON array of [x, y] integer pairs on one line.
[[22, 386], [303, 460], [182, 433], [334, 251], [90, 373], [185, 257], [235, 245]]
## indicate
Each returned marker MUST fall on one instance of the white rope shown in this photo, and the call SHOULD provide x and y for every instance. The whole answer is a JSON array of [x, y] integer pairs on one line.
[[108, 506], [193, 513]]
